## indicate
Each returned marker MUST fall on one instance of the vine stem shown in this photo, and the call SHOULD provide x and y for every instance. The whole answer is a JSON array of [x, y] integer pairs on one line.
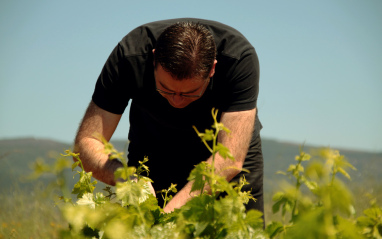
[[298, 184], [83, 170], [333, 176], [165, 199], [213, 162], [213, 191]]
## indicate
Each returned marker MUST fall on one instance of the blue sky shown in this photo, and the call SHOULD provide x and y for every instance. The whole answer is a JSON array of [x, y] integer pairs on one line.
[[320, 80]]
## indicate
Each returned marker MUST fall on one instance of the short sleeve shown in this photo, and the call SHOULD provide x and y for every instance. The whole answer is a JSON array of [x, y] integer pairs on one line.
[[111, 90], [244, 83]]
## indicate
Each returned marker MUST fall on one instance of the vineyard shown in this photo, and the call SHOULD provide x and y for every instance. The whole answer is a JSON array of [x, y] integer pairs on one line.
[[314, 202]]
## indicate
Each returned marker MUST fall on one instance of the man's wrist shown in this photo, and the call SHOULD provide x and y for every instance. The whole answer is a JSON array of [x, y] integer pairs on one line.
[[109, 169]]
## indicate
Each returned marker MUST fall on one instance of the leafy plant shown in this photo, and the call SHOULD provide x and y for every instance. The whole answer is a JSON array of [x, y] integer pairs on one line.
[[327, 211], [316, 204], [371, 222], [133, 212]]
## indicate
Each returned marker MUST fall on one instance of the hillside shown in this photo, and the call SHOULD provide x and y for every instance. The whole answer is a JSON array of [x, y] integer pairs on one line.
[[17, 155], [279, 155]]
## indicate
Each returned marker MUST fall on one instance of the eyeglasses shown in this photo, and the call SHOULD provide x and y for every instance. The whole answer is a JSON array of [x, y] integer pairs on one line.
[[182, 94]]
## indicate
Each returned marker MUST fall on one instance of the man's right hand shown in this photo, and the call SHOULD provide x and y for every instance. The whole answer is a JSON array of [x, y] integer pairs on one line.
[[152, 190], [97, 122]]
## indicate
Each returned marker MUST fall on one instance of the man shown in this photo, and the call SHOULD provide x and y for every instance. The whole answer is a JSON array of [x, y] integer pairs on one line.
[[174, 72]]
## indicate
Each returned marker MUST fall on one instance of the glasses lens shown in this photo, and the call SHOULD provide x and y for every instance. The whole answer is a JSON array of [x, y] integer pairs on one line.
[[181, 94]]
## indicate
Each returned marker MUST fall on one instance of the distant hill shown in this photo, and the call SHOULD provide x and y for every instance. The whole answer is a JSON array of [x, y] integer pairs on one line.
[[17, 155], [279, 155]]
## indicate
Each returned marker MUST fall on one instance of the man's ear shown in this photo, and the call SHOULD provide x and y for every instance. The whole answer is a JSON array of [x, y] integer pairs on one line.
[[212, 72], [153, 57]]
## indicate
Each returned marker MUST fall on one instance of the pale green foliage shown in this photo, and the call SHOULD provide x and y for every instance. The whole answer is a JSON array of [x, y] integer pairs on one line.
[[197, 175], [316, 204], [371, 222], [326, 213], [133, 212], [40, 167], [165, 193], [132, 193], [84, 184]]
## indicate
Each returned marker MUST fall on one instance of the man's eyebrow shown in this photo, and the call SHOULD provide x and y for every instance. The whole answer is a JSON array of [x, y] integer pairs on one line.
[[189, 92], [162, 85]]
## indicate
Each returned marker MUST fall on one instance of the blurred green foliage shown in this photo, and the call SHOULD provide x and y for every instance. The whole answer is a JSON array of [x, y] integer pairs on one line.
[[313, 203]]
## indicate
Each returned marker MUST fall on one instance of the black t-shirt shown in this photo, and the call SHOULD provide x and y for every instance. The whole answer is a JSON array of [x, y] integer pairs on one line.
[[158, 130]]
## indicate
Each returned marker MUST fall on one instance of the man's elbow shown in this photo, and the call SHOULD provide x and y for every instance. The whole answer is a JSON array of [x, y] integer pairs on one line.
[[76, 149], [236, 168]]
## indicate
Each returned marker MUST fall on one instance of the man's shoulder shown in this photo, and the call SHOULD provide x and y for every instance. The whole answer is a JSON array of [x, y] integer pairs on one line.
[[229, 41]]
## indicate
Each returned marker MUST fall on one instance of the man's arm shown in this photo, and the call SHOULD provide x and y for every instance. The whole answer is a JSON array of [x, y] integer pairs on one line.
[[97, 122], [241, 125]]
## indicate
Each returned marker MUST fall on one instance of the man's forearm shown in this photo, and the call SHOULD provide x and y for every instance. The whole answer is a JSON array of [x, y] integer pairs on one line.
[[180, 198], [223, 167], [96, 161], [241, 125]]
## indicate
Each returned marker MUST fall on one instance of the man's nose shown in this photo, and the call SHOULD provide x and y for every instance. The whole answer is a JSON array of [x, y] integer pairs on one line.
[[177, 99]]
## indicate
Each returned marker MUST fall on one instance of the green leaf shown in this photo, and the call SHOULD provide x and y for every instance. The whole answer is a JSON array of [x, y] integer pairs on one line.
[[40, 167], [142, 167], [374, 213], [197, 175], [281, 172], [132, 193], [274, 229], [276, 206], [75, 164], [202, 228], [300, 168], [305, 157], [76, 216], [208, 135], [343, 172], [284, 200], [222, 185], [224, 151], [302, 157], [150, 204], [124, 173], [220, 126], [165, 231], [364, 221], [291, 168], [69, 153], [84, 184], [87, 199], [311, 185], [254, 219], [199, 208], [117, 229], [99, 198], [278, 196]]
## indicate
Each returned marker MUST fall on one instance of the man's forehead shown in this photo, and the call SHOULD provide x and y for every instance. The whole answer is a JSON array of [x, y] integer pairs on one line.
[[163, 74]]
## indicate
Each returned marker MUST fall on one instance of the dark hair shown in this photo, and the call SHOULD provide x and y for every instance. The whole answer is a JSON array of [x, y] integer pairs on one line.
[[186, 50]]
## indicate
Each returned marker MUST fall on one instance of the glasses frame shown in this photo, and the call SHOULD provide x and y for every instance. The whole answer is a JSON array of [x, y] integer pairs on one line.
[[182, 94]]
